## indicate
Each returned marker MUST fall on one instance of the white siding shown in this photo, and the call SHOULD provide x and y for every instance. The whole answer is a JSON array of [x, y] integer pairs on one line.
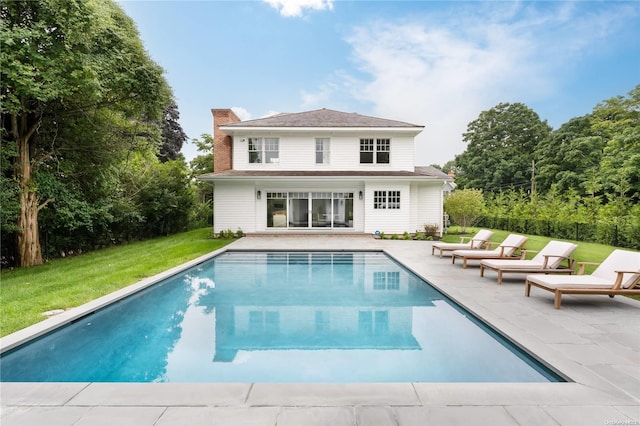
[[234, 207], [389, 221], [420, 204], [297, 152], [429, 205]]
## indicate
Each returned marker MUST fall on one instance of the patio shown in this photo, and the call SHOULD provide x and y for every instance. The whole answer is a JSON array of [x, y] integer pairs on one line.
[[593, 340]]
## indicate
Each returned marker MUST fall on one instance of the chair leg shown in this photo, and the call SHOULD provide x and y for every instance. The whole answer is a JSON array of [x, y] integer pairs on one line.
[[481, 271], [527, 288], [499, 277], [557, 300]]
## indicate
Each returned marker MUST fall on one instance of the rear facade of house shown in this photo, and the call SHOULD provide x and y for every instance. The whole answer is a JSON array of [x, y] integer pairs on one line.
[[321, 170]]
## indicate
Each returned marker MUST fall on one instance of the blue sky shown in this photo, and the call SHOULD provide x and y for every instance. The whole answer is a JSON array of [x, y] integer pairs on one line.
[[437, 64]]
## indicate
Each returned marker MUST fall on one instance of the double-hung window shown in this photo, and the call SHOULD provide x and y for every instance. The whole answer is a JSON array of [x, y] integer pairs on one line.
[[375, 151], [386, 200], [264, 150], [366, 151], [383, 148], [322, 150]]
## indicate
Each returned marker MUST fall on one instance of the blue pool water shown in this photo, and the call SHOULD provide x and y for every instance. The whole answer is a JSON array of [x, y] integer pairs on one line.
[[279, 317]]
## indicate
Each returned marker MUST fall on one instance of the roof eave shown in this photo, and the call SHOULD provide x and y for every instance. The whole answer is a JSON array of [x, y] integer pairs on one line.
[[211, 177], [232, 130]]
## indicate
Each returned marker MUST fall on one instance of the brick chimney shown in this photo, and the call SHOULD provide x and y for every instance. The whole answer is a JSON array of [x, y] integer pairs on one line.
[[222, 146]]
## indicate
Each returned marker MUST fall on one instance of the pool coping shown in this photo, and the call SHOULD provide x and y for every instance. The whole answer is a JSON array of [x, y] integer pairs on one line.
[[604, 387]]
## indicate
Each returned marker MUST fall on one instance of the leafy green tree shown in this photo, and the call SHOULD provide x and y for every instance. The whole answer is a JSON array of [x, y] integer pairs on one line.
[[464, 206], [500, 146], [173, 137], [617, 120], [568, 155], [167, 199], [204, 192], [61, 59]]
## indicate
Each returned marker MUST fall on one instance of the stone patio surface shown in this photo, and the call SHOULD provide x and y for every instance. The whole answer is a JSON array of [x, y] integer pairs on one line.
[[592, 340]]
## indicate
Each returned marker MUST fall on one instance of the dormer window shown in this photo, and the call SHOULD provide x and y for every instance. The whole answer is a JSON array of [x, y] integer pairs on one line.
[[264, 150], [374, 151]]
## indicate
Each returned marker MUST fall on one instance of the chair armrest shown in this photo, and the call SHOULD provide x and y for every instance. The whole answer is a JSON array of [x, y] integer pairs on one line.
[[525, 251], [581, 266], [489, 245], [462, 239], [514, 247], [473, 240], [555, 256], [621, 273]]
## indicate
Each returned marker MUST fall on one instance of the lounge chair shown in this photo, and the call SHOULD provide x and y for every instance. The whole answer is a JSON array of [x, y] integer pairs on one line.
[[506, 250], [476, 242], [549, 259], [619, 273]]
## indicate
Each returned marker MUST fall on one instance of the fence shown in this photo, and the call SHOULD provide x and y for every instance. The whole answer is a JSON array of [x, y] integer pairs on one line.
[[618, 232]]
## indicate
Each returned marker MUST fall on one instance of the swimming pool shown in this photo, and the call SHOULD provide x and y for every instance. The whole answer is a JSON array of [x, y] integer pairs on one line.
[[279, 317]]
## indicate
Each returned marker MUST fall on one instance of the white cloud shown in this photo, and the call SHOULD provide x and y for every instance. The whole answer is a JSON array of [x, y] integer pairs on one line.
[[296, 8], [242, 113], [442, 71]]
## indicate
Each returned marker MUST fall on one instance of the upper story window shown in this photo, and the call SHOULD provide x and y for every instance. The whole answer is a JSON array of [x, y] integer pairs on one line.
[[383, 148], [374, 151], [264, 150], [322, 150]]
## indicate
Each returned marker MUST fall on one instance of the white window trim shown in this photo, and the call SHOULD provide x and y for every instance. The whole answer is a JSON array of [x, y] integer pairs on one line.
[[264, 143], [375, 150]]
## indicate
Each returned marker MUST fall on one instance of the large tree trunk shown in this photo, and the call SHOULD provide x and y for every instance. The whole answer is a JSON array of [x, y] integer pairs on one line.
[[29, 250]]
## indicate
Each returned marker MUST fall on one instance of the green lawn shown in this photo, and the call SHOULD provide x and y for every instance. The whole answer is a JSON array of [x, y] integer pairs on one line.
[[65, 283]]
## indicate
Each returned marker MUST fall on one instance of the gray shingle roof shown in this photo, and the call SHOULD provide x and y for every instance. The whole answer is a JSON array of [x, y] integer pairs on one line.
[[321, 118]]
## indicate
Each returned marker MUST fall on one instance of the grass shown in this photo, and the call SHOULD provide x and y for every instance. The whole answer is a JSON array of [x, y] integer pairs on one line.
[[64, 283]]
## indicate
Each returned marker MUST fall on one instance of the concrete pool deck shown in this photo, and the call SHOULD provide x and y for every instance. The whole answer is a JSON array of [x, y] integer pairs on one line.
[[592, 340]]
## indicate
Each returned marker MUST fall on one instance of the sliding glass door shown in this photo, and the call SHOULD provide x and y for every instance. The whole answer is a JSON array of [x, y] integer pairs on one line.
[[309, 209], [321, 210], [298, 209]]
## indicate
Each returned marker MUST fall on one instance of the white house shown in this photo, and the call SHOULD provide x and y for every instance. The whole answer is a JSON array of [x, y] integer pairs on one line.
[[321, 170]]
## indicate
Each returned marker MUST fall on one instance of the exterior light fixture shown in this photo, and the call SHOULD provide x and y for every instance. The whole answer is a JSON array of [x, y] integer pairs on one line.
[[258, 195], [360, 195]]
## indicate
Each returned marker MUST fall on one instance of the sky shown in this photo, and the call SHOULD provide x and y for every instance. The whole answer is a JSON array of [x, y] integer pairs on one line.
[[430, 63]]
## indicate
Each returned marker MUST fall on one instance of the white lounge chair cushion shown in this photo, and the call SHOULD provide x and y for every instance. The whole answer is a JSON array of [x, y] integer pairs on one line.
[[476, 241], [505, 265], [452, 246], [561, 249], [510, 245], [619, 260], [570, 281], [553, 248]]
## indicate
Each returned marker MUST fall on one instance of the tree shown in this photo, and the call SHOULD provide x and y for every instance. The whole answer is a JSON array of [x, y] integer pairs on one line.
[[62, 59], [568, 155], [501, 142], [173, 137], [617, 121], [200, 165], [464, 206]]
